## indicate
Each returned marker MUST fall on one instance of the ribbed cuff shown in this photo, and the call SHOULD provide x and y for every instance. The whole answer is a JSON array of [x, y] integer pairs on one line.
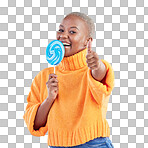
[[29, 118]]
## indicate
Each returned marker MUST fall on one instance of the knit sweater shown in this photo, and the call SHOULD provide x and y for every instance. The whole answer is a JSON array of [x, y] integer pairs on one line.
[[78, 114]]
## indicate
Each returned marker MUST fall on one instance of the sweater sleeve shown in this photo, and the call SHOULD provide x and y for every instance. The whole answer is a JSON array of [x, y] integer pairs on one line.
[[34, 102], [100, 90]]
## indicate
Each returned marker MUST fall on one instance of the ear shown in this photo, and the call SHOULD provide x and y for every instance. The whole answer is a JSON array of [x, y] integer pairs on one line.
[[91, 39], [86, 42]]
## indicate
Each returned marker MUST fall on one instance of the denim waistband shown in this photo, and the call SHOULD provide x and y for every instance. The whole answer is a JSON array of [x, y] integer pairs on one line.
[[92, 143]]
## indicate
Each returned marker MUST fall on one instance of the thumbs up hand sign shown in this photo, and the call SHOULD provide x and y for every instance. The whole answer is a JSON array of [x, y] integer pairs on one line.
[[92, 58]]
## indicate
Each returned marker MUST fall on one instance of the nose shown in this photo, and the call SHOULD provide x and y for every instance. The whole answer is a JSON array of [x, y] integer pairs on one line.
[[63, 35]]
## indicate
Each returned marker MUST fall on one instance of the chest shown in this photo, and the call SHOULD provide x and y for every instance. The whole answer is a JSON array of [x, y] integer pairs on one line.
[[72, 85]]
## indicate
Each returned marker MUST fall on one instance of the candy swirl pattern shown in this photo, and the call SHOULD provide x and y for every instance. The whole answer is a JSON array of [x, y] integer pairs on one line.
[[55, 52]]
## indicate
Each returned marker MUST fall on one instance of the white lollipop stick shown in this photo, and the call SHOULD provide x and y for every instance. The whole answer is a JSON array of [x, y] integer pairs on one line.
[[54, 69]]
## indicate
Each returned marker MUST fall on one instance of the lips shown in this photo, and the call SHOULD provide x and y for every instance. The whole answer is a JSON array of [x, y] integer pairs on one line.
[[66, 43]]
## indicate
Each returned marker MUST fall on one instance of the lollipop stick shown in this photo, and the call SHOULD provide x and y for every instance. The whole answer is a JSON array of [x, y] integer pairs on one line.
[[54, 68]]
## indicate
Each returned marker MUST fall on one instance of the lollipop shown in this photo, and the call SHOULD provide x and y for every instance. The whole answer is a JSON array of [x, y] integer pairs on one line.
[[55, 52]]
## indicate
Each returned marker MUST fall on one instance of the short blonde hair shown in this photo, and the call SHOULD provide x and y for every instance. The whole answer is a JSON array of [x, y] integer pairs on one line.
[[87, 20]]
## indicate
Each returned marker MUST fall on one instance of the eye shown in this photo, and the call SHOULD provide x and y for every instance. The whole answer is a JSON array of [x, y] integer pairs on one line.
[[72, 32], [60, 30]]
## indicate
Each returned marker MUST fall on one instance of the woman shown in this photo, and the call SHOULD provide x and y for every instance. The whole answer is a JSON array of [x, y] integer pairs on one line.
[[72, 104]]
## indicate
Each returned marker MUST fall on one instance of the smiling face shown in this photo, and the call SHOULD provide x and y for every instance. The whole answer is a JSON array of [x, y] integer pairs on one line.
[[73, 31]]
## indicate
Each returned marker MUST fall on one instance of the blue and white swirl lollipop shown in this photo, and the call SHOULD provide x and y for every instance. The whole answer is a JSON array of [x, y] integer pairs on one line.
[[55, 52]]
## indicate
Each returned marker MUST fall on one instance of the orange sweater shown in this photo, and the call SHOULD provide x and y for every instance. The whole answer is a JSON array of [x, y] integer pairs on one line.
[[78, 114]]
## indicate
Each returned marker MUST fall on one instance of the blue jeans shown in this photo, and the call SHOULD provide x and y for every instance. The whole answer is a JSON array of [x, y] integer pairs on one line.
[[100, 142]]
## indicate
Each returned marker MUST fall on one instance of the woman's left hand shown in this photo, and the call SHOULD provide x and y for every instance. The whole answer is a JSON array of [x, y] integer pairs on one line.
[[92, 58]]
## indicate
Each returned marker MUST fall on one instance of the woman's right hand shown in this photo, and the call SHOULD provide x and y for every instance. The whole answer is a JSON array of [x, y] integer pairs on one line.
[[52, 86]]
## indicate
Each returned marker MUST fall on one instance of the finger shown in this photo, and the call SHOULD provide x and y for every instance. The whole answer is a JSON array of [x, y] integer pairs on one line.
[[54, 89], [93, 54], [89, 46], [53, 80], [54, 84], [90, 55], [92, 60], [52, 75], [95, 67], [90, 65]]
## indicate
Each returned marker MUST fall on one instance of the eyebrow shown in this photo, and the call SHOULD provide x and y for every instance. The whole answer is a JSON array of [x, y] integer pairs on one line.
[[70, 27]]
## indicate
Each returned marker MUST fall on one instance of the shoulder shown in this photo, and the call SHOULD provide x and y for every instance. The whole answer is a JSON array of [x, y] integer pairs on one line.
[[44, 72], [47, 70]]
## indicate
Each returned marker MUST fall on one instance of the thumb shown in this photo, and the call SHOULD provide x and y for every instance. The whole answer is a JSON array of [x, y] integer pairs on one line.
[[89, 46]]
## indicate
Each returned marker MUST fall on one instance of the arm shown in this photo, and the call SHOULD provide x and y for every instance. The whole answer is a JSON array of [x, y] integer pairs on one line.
[[101, 89], [42, 113], [100, 73], [97, 67], [44, 108], [34, 102]]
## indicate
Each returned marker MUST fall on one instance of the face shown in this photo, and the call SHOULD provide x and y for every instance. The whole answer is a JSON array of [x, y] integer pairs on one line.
[[73, 33]]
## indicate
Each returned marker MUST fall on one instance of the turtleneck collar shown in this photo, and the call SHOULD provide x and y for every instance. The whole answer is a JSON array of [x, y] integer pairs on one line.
[[74, 62]]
